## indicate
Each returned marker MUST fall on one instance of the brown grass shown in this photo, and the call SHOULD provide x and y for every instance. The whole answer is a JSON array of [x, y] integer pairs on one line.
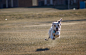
[[26, 28]]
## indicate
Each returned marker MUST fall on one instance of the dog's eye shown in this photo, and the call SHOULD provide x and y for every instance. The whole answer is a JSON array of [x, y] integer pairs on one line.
[[58, 25], [54, 25]]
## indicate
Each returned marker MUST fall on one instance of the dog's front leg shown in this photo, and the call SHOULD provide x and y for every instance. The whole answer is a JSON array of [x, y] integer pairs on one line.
[[52, 36]]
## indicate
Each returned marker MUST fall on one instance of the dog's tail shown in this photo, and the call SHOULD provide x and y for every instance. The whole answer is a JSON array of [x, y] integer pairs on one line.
[[47, 39]]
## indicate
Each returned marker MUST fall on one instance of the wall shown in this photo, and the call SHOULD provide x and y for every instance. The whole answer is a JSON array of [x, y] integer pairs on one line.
[[34, 2], [15, 3], [24, 3]]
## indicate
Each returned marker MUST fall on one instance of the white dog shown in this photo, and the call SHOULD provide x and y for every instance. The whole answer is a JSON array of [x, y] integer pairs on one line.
[[54, 31]]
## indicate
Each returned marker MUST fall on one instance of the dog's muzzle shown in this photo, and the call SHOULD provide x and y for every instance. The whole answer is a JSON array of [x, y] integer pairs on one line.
[[56, 29]]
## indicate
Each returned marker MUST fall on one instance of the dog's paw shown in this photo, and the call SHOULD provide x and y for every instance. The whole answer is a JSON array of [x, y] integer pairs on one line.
[[53, 38]]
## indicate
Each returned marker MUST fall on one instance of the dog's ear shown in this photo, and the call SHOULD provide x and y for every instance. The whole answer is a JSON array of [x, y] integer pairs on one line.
[[60, 19]]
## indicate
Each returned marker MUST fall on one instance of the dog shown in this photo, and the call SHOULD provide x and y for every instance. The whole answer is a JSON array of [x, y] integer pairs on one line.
[[55, 29]]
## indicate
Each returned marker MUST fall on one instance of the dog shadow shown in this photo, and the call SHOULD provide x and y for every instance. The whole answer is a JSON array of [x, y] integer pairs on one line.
[[42, 49]]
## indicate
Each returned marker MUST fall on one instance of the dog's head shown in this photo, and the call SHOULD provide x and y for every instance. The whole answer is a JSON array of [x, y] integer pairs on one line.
[[56, 25]]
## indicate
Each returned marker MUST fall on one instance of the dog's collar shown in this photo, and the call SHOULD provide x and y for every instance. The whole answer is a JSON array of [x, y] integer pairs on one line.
[[54, 31]]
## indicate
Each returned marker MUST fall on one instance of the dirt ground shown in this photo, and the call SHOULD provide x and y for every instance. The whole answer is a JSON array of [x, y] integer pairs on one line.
[[23, 31]]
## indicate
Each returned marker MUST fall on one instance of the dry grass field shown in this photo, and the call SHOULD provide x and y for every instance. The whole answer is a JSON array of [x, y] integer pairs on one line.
[[25, 30]]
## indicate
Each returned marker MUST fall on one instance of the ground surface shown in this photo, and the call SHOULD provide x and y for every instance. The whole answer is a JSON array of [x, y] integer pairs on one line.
[[25, 29]]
